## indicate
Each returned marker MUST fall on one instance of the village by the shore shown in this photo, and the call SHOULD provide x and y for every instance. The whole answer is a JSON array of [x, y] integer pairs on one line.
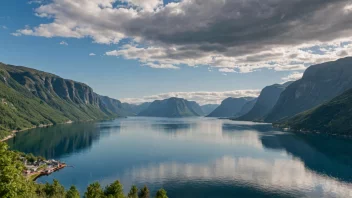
[[40, 167]]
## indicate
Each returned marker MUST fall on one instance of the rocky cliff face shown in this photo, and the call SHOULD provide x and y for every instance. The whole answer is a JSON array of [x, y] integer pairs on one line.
[[116, 106], [35, 97], [246, 107], [265, 102], [230, 107], [320, 83], [46, 86]]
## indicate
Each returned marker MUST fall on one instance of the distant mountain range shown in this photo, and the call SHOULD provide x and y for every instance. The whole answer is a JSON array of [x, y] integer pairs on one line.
[[208, 108], [246, 108], [317, 102], [264, 104], [230, 107], [173, 108]]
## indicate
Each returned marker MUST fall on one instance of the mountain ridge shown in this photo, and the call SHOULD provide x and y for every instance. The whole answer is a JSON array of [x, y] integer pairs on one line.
[[333, 117], [319, 84], [172, 107], [265, 102], [31, 98], [230, 107]]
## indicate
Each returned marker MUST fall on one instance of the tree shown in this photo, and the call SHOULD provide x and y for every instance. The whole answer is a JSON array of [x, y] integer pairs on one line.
[[72, 193], [114, 190], [54, 190], [133, 192], [144, 192], [12, 182], [161, 194], [94, 190]]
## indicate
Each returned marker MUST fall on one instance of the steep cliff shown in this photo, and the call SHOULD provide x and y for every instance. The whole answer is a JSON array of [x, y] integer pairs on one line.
[[230, 107], [265, 102], [32, 98], [320, 83]]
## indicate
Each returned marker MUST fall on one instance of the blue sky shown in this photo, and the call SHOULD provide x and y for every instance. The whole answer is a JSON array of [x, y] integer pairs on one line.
[[122, 75]]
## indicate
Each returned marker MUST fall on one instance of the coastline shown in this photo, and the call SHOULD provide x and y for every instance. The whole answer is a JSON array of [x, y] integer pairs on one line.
[[13, 133]]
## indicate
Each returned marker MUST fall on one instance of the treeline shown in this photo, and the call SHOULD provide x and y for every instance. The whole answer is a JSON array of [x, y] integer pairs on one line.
[[114, 190], [14, 185]]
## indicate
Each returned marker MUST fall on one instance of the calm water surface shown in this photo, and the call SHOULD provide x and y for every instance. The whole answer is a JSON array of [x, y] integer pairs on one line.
[[195, 157]]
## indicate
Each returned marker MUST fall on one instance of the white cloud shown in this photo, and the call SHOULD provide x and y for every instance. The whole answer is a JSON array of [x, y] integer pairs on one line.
[[226, 70], [201, 97], [293, 77], [4, 27], [146, 5], [16, 34], [36, 2], [92, 54], [63, 43], [218, 34]]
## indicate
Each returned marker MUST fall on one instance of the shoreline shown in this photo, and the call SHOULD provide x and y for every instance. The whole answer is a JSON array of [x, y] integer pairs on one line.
[[13, 133]]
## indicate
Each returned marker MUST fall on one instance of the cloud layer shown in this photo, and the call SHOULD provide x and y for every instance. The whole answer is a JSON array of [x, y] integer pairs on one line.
[[293, 77], [200, 97], [230, 35]]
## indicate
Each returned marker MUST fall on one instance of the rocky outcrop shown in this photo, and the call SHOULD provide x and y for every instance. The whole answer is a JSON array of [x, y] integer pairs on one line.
[[320, 83], [265, 102]]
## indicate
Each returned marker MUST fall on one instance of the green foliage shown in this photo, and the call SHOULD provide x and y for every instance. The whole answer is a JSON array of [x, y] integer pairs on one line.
[[12, 182], [133, 192], [14, 185], [144, 192], [94, 190], [26, 101], [114, 190], [72, 193], [334, 117], [161, 194], [54, 190]]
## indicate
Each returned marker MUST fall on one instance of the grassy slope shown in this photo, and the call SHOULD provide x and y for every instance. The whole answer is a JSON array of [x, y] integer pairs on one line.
[[20, 112], [21, 109], [334, 117]]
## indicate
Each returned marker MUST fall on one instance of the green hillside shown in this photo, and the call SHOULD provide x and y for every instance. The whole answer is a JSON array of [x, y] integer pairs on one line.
[[334, 117], [31, 98], [319, 84]]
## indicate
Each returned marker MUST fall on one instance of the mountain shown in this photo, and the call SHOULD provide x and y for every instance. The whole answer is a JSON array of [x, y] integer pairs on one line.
[[265, 102], [230, 107], [31, 98], [117, 107], [138, 108], [333, 117], [247, 107], [208, 108], [320, 83], [172, 107]]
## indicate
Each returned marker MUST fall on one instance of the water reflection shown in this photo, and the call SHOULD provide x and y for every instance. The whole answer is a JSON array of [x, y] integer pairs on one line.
[[57, 141], [196, 157], [318, 153], [280, 176]]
